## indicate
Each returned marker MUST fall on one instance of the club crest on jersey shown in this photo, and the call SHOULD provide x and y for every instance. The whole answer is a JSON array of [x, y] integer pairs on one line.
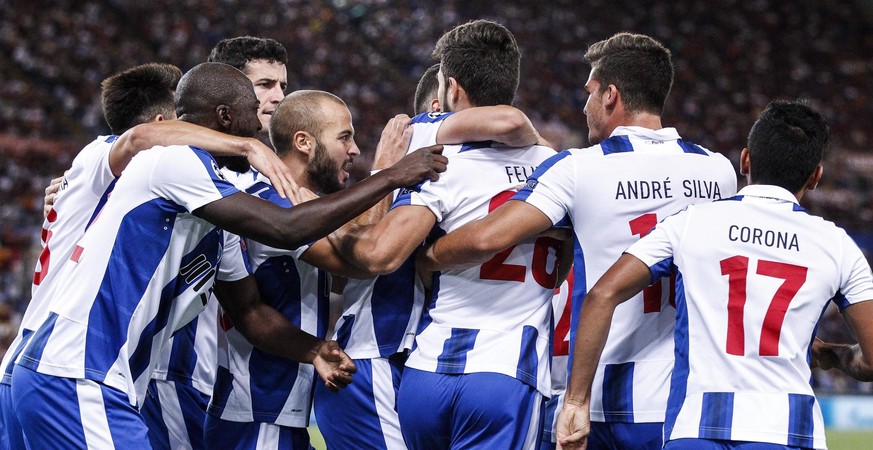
[[217, 171], [531, 183]]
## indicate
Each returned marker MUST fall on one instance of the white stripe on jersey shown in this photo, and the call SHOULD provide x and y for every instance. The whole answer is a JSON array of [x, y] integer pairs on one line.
[[758, 258], [146, 252], [613, 193], [494, 317]]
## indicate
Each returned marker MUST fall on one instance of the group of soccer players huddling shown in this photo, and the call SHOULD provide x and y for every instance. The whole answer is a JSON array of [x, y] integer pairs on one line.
[[497, 294]]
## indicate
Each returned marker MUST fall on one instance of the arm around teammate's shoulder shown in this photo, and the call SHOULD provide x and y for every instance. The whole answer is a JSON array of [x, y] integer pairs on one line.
[[501, 123]]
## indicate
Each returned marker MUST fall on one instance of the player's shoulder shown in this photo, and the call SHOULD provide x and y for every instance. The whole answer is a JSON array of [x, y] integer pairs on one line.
[[263, 189], [430, 117]]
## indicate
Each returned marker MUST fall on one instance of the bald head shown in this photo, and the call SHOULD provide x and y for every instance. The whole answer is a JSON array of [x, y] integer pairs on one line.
[[299, 111], [217, 96]]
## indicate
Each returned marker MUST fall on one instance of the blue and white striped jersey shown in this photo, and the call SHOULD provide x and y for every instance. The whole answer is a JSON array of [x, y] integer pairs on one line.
[[380, 315], [142, 270], [755, 274], [253, 385], [493, 317], [83, 191], [614, 193]]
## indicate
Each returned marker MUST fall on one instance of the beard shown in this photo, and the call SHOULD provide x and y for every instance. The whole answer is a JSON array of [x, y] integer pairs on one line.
[[323, 172]]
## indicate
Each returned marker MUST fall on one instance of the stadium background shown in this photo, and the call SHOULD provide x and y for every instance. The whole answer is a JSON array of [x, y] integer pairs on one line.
[[731, 58]]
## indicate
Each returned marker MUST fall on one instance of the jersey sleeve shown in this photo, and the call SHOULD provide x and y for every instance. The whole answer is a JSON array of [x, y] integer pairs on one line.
[[856, 284], [552, 187], [190, 177], [259, 252], [425, 128], [234, 263], [657, 248], [94, 161]]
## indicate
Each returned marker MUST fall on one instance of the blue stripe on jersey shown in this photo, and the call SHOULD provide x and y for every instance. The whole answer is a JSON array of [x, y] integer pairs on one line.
[[800, 421], [618, 392], [183, 358], [840, 300], [716, 415], [679, 379], [7, 371], [220, 391], [101, 202], [690, 147], [662, 269], [198, 266], [391, 304], [533, 179], [476, 145], [528, 358], [111, 138], [267, 192], [454, 356], [430, 117], [580, 288], [33, 352], [344, 333], [616, 144], [221, 184]]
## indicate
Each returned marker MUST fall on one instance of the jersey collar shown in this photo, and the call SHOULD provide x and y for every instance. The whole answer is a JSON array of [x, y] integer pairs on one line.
[[664, 134], [768, 191]]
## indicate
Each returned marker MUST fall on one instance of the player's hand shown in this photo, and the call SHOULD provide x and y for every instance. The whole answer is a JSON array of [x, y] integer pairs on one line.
[[50, 193], [334, 366], [423, 164], [394, 142], [846, 358], [572, 427], [264, 160]]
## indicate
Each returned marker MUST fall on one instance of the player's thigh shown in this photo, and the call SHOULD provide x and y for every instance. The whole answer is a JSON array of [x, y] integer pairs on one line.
[[175, 414], [626, 436], [75, 414], [425, 404], [11, 435], [363, 415], [717, 444], [254, 435], [496, 411]]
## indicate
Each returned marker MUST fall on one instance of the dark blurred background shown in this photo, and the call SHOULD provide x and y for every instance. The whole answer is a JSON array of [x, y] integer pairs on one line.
[[731, 57]]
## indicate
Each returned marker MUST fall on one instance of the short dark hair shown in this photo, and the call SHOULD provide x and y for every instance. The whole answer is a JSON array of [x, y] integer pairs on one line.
[[298, 111], [207, 86], [239, 51], [483, 57], [787, 143], [426, 90], [138, 94], [639, 66]]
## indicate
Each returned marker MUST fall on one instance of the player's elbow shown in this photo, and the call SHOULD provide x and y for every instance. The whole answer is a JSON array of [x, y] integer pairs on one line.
[[516, 128], [383, 262]]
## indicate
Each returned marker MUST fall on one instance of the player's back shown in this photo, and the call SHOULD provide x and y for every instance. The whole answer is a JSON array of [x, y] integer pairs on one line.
[[140, 272], [493, 317], [615, 193], [84, 188], [755, 274]]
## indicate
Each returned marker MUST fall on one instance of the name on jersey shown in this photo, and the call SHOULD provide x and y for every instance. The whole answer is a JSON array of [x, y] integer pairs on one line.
[[657, 189], [518, 174], [767, 238]]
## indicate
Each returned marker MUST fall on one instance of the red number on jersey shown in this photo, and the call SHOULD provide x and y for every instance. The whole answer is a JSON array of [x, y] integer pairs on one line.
[[736, 268], [562, 329], [45, 254], [641, 226]]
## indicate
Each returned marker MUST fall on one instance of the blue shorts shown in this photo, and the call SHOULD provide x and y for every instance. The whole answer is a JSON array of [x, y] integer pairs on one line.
[[717, 444], [621, 435], [468, 411], [11, 436], [174, 414], [75, 413], [254, 435], [364, 414]]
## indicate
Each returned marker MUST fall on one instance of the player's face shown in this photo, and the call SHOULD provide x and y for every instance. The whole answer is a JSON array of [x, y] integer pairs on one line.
[[246, 123], [441, 92], [270, 80], [335, 149], [594, 111]]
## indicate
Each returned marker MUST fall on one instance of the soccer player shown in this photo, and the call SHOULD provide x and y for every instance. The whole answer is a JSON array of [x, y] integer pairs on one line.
[[427, 92], [754, 274], [473, 357], [613, 193], [262, 399], [139, 95], [263, 61], [147, 262]]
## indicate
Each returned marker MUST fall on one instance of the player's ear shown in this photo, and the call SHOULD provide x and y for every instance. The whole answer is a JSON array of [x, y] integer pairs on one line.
[[745, 162], [224, 115], [303, 142], [435, 105], [610, 96], [814, 178]]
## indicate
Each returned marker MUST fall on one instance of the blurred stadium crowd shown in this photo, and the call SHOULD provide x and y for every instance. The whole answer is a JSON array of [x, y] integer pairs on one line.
[[731, 57]]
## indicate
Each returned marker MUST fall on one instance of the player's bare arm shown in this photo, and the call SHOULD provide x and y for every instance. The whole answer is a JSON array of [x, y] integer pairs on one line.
[[477, 241], [856, 360], [267, 329], [287, 228], [624, 279], [501, 123], [177, 132]]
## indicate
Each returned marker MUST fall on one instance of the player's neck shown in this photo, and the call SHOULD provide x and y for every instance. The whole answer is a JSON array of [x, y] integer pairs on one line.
[[298, 171], [644, 120]]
